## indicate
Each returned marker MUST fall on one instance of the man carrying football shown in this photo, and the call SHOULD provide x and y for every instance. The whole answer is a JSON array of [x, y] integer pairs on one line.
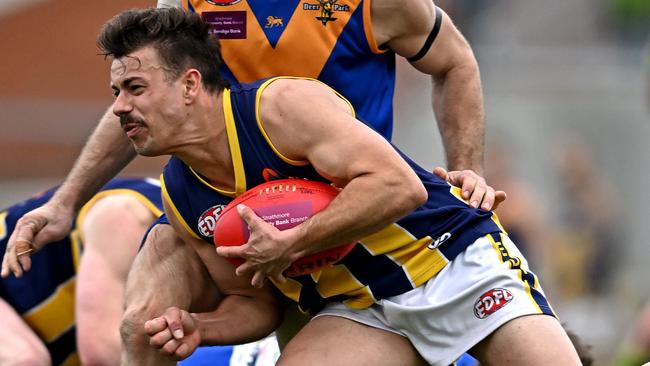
[[430, 277]]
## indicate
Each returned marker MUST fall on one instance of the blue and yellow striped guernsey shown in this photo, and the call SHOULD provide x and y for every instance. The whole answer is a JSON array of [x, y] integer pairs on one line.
[[44, 296], [392, 261], [329, 40]]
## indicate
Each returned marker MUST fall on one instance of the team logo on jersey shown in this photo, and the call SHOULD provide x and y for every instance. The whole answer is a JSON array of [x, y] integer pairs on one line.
[[327, 9], [492, 301], [208, 219], [439, 240], [222, 2], [272, 21], [269, 174]]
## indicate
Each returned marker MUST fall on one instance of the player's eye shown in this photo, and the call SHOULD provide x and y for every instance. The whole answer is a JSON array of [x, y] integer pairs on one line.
[[136, 89], [116, 93]]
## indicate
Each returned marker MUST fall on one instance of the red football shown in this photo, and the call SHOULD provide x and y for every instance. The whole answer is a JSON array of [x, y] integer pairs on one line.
[[284, 204]]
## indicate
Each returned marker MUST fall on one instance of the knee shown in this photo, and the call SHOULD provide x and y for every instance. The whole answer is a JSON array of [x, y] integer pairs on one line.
[[132, 327]]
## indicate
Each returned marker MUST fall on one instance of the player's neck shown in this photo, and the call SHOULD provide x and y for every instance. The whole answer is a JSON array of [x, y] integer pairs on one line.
[[206, 147]]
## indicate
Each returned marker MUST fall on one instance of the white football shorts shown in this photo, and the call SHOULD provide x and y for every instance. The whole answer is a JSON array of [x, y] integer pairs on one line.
[[484, 287]]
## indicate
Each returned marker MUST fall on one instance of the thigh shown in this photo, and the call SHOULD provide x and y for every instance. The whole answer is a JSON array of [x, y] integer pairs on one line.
[[19, 345], [526, 341], [333, 340]]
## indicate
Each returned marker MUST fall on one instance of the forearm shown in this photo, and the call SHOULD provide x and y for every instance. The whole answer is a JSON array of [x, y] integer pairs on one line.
[[364, 207], [458, 105], [105, 154], [238, 319]]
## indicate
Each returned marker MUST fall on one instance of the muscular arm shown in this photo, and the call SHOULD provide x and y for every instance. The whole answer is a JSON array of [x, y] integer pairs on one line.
[[105, 154], [244, 314], [403, 26], [379, 187]]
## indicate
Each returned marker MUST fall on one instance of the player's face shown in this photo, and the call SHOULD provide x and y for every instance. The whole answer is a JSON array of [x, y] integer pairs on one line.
[[148, 102]]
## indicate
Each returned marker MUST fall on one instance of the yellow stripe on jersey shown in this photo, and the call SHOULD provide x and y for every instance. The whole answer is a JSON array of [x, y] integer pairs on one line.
[[177, 213], [72, 360], [290, 288], [388, 239], [76, 245], [77, 236], [337, 280], [235, 152], [3, 224], [55, 315], [362, 299], [233, 143], [258, 96], [515, 263], [255, 58], [425, 264]]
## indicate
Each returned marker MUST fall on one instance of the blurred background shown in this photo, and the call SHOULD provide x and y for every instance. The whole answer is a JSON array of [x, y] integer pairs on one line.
[[566, 95]]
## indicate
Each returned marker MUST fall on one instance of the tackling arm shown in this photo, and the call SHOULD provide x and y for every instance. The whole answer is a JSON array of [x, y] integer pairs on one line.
[[106, 152], [404, 26]]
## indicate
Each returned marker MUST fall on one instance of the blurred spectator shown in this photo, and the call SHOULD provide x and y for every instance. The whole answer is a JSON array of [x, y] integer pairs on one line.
[[635, 348], [522, 214], [588, 243]]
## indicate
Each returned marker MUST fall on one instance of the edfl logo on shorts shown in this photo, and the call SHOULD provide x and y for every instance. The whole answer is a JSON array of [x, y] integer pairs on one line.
[[491, 301]]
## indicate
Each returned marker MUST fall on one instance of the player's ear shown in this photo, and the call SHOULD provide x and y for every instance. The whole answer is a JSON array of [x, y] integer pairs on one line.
[[191, 84]]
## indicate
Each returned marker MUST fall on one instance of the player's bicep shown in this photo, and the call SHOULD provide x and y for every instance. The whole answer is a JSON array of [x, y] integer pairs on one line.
[[321, 130], [448, 50]]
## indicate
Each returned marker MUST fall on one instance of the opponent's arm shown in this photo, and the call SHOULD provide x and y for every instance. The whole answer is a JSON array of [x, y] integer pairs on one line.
[[404, 26], [106, 152], [307, 121]]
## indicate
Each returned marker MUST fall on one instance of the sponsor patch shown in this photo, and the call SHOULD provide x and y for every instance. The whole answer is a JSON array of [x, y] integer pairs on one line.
[[226, 24], [208, 219], [492, 301]]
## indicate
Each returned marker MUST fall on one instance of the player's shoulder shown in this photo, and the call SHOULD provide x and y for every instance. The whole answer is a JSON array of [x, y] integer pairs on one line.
[[393, 19]]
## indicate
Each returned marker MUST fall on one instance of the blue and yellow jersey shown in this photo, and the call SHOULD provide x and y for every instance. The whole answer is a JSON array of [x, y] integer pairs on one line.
[[328, 40], [44, 296], [400, 257]]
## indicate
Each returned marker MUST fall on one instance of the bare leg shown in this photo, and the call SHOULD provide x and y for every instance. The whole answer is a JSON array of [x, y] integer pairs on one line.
[[165, 273], [332, 340], [18, 343], [528, 340]]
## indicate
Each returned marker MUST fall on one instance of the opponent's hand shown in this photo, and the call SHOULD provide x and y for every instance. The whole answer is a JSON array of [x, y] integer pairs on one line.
[[33, 231], [473, 188], [174, 333], [265, 253]]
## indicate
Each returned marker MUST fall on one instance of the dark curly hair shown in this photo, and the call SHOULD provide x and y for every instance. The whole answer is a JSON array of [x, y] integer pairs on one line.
[[182, 39]]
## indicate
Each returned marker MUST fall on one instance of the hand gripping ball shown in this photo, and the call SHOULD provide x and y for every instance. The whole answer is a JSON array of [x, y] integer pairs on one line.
[[284, 204]]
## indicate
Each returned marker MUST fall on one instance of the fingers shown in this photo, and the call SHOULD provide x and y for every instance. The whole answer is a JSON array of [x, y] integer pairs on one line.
[[248, 215], [499, 196], [16, 259], [474, 188], [441, 173], [173, 316], [258, 279], [166, 332]]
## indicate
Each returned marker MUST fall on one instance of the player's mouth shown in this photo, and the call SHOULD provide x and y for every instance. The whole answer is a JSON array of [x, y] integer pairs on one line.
[[132, 129], [131, 126]]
